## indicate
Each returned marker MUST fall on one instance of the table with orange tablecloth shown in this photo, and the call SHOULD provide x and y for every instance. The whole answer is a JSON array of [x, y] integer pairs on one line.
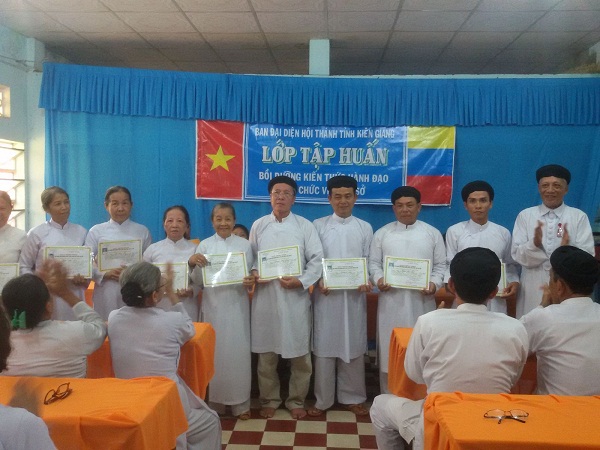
[[454, 421], [196, 363], [103, 414], [401, 385]]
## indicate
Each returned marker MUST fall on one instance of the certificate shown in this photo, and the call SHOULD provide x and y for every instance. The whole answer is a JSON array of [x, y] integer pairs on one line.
[[115, 254], [8, 272], [344, 273], [279, 262], [502, 283], [76, 259], [226, 268], [180, 274], [406, 273]]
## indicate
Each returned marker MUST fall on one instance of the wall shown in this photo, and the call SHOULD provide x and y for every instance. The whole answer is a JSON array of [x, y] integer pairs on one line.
[[20, 69]]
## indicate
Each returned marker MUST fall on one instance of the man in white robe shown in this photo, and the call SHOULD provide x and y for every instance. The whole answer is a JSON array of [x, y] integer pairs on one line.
[[340, 315], [469, 349], [564, 331], [478, 198], [541, 229], [407, 237], [281, 316]]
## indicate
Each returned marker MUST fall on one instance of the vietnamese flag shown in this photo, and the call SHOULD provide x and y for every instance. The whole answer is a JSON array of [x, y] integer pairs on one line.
[[219, 159]]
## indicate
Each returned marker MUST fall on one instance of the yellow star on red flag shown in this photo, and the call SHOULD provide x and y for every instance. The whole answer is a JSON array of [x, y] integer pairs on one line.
[[220, 159]]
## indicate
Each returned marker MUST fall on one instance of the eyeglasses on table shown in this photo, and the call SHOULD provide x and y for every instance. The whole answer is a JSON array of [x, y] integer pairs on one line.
[[61, 392], [516, 414]]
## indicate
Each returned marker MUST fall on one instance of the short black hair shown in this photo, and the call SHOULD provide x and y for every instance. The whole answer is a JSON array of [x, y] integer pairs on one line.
[[475, 272], [405, 191], [26, 293], [342, 181]]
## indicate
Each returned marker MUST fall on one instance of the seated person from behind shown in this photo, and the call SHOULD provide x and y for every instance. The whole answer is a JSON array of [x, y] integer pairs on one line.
[[19, 429], [469, 349], [44, 347], [564, 331], [145, 341]]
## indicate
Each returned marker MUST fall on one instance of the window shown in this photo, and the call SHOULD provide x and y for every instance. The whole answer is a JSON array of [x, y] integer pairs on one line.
[[12, 178], [4, 101]]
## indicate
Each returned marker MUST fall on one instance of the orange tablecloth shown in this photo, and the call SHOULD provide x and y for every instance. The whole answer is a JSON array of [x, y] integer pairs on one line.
[[104, 414], [402, 386], [455, 421], [196, 363]]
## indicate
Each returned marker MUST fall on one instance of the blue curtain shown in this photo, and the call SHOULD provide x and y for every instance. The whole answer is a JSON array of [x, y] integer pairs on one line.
[[332, 101], [155, 159]]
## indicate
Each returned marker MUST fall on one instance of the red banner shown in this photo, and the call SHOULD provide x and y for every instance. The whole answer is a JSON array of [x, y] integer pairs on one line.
[[219, 159]]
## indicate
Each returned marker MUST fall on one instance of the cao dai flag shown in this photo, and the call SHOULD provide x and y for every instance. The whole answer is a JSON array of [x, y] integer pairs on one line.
[[219, 159], [430, 163]]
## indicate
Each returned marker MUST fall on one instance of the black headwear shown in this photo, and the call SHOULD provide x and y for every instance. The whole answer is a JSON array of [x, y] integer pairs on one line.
[[553, 170], [474, 186], [283, 179], [341, 181], [406, 191], [575, 266]]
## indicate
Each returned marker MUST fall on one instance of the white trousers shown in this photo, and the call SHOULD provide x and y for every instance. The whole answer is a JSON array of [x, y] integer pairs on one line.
[[397, 422], [350, 380], [203, 433]]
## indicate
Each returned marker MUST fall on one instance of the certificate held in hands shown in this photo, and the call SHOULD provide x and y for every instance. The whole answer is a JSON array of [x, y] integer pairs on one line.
[[279, 262], [227, 268], [407, 273], [180, 274], [115, 254], [76, 259], [344, 273], [8, 271]]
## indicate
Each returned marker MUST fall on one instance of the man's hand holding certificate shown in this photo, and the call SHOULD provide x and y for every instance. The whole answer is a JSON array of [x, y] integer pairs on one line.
[[407, 273], [279, 262]]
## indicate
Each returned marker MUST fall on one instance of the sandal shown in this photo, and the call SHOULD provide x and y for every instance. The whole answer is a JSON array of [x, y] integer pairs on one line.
[[244, 416], [358, 410], [315, 412]]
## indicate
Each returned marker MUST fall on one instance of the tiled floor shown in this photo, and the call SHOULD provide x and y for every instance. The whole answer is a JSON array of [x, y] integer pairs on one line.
[[337, 429]]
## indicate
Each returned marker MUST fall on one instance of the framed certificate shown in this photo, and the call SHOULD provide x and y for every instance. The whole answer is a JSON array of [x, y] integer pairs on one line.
[[180, 274], [115, 254], [8, 271], [76, 259], [279, 262], [344, 273], [406, 273], [223, 269]]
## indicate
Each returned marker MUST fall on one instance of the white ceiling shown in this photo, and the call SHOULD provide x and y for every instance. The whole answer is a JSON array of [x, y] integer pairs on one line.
[[368, 37]]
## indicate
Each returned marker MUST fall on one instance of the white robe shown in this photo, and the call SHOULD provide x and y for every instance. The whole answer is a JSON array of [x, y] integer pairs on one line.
[[402, 307], [535, 262], [468, 349], [227, 309], [50, 234], [489, 235], [175, 252], [565, 338], [107, 293], [56, 348], [21, 430], [340, 318], [281, 318], [146, 342], [11, 242]]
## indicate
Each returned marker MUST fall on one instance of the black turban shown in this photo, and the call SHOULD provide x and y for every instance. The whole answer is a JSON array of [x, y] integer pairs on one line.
[[283, 179], [553, 170], [478, 266], [341, 181], [406, 191], [477, 186], [575, 266]]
